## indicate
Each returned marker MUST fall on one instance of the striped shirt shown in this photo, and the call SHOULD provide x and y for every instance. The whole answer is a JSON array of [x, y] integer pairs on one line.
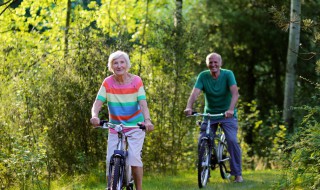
[[123, 100]]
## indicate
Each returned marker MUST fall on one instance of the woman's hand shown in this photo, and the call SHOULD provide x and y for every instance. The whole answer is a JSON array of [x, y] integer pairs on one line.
[[95, 121], [149, 126]]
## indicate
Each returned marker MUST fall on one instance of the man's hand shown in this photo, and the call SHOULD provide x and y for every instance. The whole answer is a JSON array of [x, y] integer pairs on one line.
[[188, 111], [95, 121], [229, 113]]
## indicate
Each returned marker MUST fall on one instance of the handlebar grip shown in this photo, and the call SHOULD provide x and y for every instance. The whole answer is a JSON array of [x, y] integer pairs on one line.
[[194, 112], [103, 122], [141, 126]]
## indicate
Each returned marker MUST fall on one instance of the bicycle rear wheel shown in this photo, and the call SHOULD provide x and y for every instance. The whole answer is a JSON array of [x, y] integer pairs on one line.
[[204, 155], [116, 177], [224, 160]]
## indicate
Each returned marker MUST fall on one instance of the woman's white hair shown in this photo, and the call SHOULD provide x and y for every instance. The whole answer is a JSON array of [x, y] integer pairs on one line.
[[116, 55]]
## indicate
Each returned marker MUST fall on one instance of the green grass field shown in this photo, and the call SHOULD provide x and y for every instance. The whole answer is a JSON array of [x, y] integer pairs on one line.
[[255, 180], [188, 181]]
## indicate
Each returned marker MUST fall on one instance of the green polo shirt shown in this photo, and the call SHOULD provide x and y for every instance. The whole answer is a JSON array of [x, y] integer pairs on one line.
[[216, 91]]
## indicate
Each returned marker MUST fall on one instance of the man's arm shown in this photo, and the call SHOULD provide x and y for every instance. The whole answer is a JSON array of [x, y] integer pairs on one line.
[[234, 100], [193, 97]]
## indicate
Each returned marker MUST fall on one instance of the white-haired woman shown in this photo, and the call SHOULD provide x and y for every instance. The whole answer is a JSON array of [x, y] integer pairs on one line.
[[126, 99]]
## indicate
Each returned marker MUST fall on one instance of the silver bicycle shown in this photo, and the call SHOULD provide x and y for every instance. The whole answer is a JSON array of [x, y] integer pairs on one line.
[[120, 175], [212, 151]]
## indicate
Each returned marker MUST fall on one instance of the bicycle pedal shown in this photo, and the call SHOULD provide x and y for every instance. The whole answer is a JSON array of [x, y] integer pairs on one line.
[[130, 187]]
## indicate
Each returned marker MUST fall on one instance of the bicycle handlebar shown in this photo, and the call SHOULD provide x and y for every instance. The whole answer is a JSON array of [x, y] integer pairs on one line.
[[104, 124], [206, 114]]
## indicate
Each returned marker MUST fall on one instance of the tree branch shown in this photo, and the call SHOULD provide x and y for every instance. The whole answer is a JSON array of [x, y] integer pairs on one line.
[[9, 3], [1, 4]]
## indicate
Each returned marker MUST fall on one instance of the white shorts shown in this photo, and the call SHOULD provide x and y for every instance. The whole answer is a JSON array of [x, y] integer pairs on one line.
[[135, 138]]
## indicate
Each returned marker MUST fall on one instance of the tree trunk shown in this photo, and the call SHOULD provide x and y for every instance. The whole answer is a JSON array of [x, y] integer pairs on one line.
[[178, 14], [66, 32], [176, 72], [143, 37], [292, 56]]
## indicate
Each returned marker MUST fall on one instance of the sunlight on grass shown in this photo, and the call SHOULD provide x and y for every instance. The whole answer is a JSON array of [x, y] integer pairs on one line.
[[188, 181], [255, 180]]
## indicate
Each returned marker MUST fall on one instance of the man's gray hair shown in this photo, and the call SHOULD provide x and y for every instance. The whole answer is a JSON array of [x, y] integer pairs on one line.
[[211, 54]]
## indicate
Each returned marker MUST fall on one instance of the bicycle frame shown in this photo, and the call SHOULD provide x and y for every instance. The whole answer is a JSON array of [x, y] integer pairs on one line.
[[218, 136], [121, 153], [211, 150]]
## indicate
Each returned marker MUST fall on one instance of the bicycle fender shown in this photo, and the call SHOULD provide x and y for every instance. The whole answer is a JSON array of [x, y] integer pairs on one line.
[[205, 138], [119, 152]]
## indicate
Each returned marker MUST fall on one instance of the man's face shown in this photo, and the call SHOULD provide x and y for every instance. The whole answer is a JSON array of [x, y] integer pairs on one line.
[[214, 64]]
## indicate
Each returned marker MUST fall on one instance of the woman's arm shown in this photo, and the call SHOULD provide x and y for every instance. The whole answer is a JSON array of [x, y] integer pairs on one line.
[[145, 111], [96, 107]]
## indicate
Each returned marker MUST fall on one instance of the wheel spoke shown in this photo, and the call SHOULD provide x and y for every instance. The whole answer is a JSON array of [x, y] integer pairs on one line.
[[224, 160], [203, 164]]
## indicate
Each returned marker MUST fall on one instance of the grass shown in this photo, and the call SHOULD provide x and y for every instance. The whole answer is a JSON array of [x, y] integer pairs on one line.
[[188, 181], [185, 181]]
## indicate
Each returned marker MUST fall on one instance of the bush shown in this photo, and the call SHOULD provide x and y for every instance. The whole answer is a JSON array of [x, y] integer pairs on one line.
[[304, 155]]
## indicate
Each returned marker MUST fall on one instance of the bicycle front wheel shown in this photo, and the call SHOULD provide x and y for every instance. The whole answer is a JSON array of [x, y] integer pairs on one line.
[[129, 179], [116, 178], [224, 160], [203, 163]]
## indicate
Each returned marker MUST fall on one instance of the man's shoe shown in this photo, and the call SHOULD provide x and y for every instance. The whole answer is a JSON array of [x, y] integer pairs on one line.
[[238, 179]]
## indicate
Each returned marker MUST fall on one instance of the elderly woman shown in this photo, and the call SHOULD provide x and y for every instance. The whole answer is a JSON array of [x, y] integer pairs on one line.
[[126, 100]]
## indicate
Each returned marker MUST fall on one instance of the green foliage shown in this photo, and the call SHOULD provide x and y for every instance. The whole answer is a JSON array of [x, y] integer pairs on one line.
[[263, 140], [304, 157], [318, 67], [46, 95], [173, 144]]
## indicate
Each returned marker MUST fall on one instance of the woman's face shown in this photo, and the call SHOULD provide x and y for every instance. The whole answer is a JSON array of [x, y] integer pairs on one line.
[[119, 66]]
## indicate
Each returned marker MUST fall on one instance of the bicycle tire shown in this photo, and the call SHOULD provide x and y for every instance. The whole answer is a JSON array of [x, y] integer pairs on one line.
[[204, 155], [224, 160], [116, 178], [128, 178]]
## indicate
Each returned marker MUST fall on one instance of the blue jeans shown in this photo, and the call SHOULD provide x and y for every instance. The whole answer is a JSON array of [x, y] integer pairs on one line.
[[230, 129]]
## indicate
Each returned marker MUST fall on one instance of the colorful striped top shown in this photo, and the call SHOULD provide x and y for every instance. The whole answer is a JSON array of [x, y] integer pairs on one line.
[[123, 100]]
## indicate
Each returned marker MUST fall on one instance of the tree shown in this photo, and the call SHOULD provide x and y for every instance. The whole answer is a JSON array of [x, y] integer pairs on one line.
[[292, 56], [66, 32]]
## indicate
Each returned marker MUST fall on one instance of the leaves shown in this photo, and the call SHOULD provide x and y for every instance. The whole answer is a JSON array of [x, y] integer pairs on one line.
[[46, 97]]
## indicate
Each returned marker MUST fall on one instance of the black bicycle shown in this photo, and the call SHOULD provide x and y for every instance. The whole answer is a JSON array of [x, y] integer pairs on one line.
[[212, 151], [120, 175]]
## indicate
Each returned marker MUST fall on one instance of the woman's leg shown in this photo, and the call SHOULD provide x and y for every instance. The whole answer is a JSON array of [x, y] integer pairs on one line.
[[135, 142]]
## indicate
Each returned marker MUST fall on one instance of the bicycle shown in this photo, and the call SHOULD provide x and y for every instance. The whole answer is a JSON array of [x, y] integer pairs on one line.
[[212, 151], [120, 175]]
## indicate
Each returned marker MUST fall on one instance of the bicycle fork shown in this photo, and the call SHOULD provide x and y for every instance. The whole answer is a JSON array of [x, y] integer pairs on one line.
[[118, 159]]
